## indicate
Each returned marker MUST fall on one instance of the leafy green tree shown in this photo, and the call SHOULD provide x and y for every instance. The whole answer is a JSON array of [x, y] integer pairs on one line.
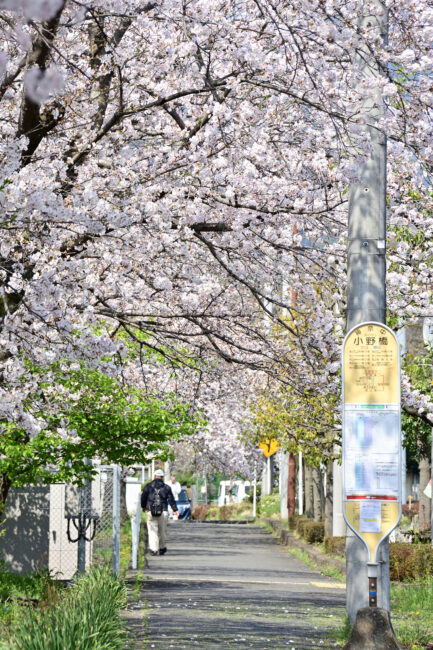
[[416, 427], [87, 414]]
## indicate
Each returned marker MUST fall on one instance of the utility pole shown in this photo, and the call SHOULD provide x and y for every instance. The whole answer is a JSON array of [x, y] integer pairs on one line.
[[366, 292]]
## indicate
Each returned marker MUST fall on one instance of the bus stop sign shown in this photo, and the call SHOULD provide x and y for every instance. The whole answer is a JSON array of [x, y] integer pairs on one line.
[[371, 433]]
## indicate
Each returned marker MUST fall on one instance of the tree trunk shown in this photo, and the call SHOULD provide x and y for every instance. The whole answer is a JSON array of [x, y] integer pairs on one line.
[[424, 502], [291, 486], [5, 484], [308, 491], [329, 499], [123, 509], [317, 494]]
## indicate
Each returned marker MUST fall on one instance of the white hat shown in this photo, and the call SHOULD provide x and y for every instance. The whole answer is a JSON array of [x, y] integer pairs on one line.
[[159, 472]]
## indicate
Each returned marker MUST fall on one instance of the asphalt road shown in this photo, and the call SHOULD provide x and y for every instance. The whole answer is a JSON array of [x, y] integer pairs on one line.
[[233, 586]]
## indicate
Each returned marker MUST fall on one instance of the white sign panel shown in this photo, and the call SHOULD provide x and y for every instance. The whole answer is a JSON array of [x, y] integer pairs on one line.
[[370, 518], [372, 451]]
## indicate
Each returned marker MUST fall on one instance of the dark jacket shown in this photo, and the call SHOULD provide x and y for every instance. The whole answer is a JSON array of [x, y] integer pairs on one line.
[[166, 495]]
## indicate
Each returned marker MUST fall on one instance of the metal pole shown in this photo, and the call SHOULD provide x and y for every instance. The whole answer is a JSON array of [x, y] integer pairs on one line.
[[366, 293], [81, 551], [271, 473], [265, 474], [300, 486], [84, 507], [284, 484], [116, 519], [204, 482], [291, 485], [135, 525], [255, 490]]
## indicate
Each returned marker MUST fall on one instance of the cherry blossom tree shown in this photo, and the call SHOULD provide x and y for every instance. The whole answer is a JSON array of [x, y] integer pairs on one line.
[[170, 168]]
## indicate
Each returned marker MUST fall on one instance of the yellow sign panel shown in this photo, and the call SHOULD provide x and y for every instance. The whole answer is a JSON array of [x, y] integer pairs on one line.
[[373, 528], [269, 447], [371, 366], [371, 433]]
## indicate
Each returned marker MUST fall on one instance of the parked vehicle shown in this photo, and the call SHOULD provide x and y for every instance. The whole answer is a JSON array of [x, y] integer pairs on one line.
[[233, 491], [183, 505]]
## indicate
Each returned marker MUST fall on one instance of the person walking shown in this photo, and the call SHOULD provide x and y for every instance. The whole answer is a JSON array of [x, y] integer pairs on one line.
[[155, 499], [175, 488]]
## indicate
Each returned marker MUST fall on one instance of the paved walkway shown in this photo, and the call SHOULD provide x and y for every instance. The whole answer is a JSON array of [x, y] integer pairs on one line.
[[233, 586]]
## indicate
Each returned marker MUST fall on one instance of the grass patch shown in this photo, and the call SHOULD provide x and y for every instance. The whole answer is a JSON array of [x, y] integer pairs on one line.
[[303, 556], [85, 616], [125, 548], [411, 612], [411, 615], [20, 591], [343, 633], [135, 589], [269, 505]]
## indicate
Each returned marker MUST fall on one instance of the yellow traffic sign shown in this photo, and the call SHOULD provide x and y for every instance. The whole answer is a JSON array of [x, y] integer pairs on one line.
[[269, 447]]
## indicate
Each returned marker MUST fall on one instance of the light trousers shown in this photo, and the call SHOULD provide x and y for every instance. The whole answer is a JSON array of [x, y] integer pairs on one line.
[[157, 529]]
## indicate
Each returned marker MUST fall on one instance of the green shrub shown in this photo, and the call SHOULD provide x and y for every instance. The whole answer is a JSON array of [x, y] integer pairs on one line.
[[226, 512], [410, 561], [300, 523], [199, 512], [87, 617], [335, 545], [212, 513], [314, 531], [229, 511]]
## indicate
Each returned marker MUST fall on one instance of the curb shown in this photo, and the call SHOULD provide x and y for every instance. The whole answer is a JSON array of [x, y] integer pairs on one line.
[[222, 521], [287, 538]]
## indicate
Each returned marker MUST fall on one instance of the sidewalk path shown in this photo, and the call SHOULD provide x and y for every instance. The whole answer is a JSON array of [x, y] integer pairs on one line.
[[223, 586]]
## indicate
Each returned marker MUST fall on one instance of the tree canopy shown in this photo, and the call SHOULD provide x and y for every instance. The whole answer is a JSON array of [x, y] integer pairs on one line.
[[181, 170]]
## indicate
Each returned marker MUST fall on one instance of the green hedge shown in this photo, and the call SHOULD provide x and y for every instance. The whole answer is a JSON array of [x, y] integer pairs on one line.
[[314, 531], [410, 561], [87, 617], [226, 512], [406, 561], [335, 545], [300, 523], [199, 512]]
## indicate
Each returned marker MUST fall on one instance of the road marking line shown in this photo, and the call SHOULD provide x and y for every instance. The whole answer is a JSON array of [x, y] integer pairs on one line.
[[329, 585]]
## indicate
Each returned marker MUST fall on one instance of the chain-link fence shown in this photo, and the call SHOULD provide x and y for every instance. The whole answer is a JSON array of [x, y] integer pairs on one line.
[[63, 527], [93, 519], [90, 531], [206, 489], [105, 547]]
